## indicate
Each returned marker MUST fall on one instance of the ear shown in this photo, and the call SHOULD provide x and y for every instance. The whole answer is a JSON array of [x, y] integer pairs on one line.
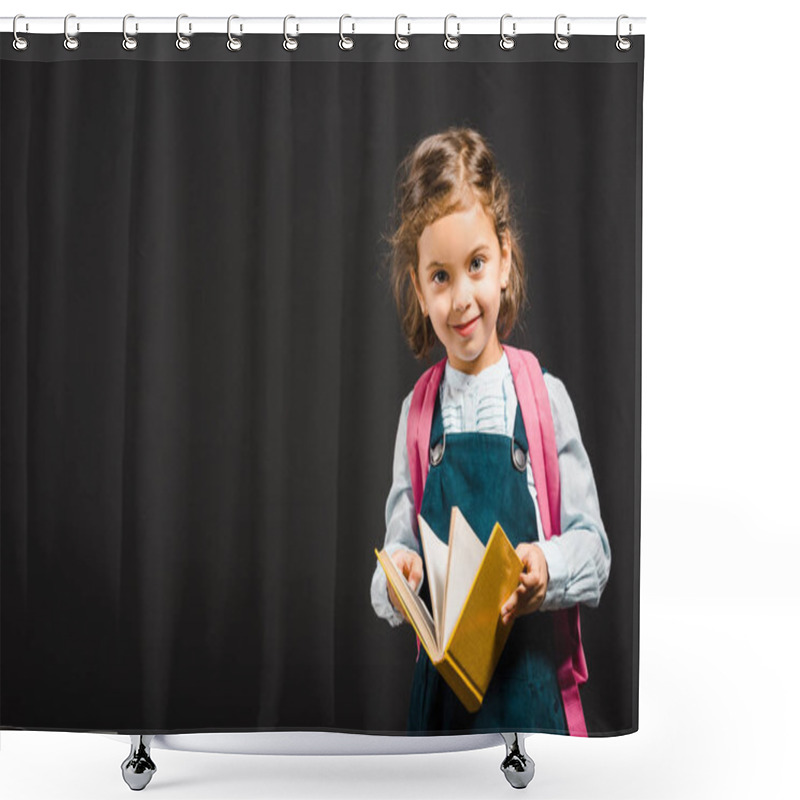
[[505, 260], [413, 272]]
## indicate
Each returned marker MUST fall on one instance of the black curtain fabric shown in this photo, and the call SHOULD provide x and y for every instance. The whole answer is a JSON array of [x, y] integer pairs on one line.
[[202, 365]]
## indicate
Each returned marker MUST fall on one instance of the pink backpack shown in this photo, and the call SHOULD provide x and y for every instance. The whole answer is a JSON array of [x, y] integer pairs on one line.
[[535, 405]]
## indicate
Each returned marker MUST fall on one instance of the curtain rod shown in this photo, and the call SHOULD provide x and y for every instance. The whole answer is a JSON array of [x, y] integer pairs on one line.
[[457, 26]]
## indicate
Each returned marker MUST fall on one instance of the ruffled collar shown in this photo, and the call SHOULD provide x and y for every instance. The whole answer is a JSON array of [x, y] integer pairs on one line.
[[463, 381]]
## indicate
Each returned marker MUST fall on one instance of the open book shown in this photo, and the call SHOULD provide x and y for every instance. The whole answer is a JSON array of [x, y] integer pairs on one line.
[[463, 634]]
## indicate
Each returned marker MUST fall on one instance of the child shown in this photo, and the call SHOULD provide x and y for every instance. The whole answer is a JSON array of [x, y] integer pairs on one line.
[[458, 277]]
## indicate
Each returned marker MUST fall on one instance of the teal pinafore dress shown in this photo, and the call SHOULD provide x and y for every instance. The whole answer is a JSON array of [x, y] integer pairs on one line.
[[484, 474]]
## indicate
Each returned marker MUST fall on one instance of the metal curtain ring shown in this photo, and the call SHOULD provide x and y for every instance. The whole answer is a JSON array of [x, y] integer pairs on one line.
[[234, 44], [182, 43], [507, 42], [70, 42], [451, 42], [622, 43], [400, 42], [288, 42], [345, 42], [128, 42], [19, 43], [560, 42]]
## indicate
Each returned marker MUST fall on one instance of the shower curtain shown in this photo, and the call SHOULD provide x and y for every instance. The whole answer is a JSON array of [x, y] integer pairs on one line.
[[203, 366]]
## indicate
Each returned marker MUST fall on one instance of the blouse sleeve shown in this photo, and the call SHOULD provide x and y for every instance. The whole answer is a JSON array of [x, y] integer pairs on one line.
[[579, 560], [400, 521]]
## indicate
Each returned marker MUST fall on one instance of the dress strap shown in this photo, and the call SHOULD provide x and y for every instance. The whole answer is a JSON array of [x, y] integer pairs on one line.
[[520, 436], [437, 445], [519, 444]]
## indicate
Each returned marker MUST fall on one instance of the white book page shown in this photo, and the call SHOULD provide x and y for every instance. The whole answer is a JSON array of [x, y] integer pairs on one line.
[[466, 554], [412, 601], [435, 553]]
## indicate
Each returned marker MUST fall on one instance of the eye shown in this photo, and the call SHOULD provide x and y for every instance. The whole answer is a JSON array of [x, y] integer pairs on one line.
[[480, 261], [440, 276]]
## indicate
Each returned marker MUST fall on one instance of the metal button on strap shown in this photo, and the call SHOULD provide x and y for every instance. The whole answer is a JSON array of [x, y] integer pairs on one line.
[[437, 453], [518, 457]]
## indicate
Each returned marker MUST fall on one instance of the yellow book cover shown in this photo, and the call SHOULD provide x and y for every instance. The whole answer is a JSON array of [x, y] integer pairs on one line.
[[462, 634]]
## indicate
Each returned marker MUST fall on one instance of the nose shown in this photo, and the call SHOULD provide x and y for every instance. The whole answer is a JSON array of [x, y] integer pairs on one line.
[[462, 294]]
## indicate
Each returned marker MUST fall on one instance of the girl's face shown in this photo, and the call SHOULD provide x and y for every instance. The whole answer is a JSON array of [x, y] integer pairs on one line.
[[460, 273]]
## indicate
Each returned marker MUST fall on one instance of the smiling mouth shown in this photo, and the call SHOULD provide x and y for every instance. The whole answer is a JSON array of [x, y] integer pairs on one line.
[[467, 327]]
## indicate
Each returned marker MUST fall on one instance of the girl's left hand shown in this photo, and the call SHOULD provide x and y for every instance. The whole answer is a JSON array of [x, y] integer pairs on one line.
[[530, 593]]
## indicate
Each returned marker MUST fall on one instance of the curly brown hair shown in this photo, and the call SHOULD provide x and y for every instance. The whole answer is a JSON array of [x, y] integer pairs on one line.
[[444, 173]]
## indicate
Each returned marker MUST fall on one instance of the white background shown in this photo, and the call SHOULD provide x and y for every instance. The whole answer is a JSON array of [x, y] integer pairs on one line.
[[720, 607]]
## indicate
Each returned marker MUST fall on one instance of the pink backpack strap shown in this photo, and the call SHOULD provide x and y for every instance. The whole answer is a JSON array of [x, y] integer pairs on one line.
[[538, 420], [418, 430]]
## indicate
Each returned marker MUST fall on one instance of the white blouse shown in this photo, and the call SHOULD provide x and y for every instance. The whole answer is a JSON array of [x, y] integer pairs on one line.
[[579, 560]]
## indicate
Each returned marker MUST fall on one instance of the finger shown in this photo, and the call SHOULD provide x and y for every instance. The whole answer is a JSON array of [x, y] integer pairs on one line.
[[535, 576], [401, 560], [525, 554], [532, 602], [530, 572], [528, 582], [510, 604], [508, 615], [408, 567]]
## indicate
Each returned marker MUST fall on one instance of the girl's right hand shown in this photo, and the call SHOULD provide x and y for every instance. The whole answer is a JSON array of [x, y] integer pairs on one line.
[[410, 564]]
